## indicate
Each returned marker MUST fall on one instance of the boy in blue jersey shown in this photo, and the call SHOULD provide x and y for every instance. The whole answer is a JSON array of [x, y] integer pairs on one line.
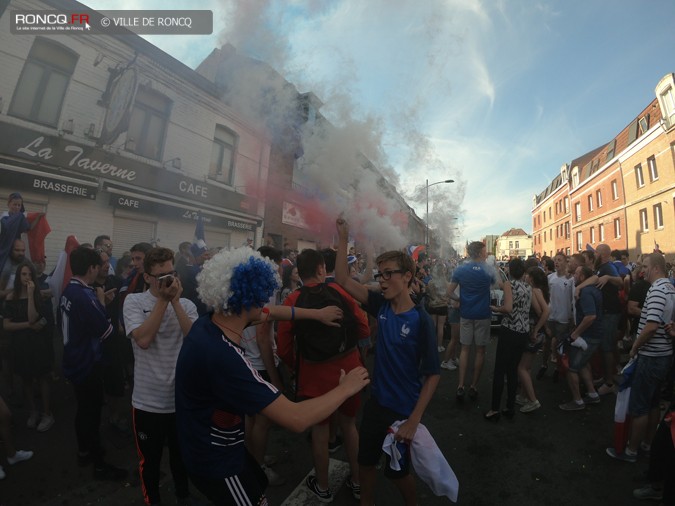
[[85, 324], [407, 368]]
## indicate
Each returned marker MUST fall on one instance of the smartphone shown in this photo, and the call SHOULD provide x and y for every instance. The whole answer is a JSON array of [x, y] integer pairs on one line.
[[165, 280]]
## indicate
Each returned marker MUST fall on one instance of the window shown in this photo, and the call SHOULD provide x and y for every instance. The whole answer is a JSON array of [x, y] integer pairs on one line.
[[653, 172], [615, 190], [610, 149], [617, 228], [590, 203], [567, 205], [579, 241], [601, 232], [592, 235], [544, 216], [517, 244], [638, 176], [632, 131], [658, 216], [644, 220], [222, 155], [567, 230], [147, 126], [549, 213], [598, 198], [577, 211], [575, 177], [510, 244], [39, 94], [667, 100]]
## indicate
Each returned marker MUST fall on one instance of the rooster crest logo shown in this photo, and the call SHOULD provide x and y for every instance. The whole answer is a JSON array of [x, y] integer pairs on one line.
[[405, 330]]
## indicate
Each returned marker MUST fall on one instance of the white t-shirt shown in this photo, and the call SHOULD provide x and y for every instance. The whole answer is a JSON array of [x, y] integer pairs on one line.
[[561, 289], [155, 367]]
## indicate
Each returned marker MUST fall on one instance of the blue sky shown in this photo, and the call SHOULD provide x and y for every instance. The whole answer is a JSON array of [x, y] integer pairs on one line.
[[496, 94]]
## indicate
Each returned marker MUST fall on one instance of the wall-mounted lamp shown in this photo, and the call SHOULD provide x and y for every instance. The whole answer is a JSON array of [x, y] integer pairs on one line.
[[175, 163], [91, 131], [68, 126]]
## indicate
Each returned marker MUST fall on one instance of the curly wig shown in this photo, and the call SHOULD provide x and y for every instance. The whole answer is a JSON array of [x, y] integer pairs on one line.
[[237, 280]]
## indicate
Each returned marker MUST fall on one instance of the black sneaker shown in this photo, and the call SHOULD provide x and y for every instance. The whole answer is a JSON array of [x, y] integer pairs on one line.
[[322, 495], [335, 445], [108, 472]]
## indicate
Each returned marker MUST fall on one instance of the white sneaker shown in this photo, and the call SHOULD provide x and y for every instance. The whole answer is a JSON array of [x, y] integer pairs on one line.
[[521, 400], [2, 473], [20, 456], [274, 478], [45, 423], [32, 421], [441, 349], [530, 406], [449, 365]]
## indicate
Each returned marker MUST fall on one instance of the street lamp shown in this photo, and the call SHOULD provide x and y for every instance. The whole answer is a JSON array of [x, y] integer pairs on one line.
[[426, 242]]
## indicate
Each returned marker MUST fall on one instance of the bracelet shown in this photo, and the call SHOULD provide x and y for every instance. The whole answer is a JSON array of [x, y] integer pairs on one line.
[[292, 313]]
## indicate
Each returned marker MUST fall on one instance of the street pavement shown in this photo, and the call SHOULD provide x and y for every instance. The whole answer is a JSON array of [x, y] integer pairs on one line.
[[547, 457]]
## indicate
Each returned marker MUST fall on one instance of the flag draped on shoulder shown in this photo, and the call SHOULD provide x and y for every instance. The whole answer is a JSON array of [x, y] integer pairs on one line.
[[199, 242], [62, 273], [35, 237]]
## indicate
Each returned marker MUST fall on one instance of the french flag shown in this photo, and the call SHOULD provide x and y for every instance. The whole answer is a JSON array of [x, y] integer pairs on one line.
[[621, 417], [62, 273]]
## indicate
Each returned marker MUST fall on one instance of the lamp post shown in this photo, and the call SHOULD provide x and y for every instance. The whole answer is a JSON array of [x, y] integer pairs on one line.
[[426, 242]]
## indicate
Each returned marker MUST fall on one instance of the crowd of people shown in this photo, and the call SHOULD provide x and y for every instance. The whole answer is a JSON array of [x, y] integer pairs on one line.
[[219, 346]]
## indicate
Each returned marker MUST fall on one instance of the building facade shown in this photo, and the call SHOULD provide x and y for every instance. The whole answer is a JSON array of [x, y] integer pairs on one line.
[[110, 135]]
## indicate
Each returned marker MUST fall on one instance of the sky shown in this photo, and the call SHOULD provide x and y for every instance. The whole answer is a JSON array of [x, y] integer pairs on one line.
[[495, 94]]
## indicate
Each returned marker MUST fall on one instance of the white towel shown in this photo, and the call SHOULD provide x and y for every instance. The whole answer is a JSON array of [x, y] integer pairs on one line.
[[427, 460]]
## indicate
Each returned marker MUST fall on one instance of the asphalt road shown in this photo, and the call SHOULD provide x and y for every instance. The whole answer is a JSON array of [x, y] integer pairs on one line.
[[548, 457]]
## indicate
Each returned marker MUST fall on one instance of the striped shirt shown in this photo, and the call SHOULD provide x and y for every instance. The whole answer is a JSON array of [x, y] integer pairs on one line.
[[155, 367], [518, 319], [658, 308]]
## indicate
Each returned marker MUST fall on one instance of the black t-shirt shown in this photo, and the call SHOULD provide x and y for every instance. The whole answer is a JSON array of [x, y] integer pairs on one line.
[[610, 292], [638, 293]]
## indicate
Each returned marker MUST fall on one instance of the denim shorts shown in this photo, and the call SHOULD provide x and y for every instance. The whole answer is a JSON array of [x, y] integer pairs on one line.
[[579, 358], [650, 373], [557, 329], [610, 325], [453, 315]]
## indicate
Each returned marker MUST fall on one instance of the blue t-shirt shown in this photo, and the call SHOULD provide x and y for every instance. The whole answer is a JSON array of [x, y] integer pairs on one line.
[[474, 281], [215, 387], [590, 302], [84, 323], [405, 354]]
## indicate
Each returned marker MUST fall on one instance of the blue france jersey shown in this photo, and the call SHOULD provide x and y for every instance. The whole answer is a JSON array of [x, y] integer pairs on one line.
[[474, 295], [215, 387], [405, 354], [84, 323]]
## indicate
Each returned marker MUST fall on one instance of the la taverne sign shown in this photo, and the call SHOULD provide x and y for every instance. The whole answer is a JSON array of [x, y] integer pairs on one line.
[[55, 152]]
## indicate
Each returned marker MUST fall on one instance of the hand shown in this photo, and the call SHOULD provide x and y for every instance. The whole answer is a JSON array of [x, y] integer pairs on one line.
[[168, 293], [30, 286], [602, 281], [406, 431], [533, 337], [110, 295], [330, 315], [342, 228], [177, 289], [100, 295], [38, 325], [355, 380], [495, 309], [577, 291], [670, 329]]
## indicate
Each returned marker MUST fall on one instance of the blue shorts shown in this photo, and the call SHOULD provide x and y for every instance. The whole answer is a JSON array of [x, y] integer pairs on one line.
[[579, 358], [650, 374], [610, 325], [453, 315]]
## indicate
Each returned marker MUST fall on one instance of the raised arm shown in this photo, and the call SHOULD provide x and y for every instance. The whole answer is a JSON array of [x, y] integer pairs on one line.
[[354, 288]]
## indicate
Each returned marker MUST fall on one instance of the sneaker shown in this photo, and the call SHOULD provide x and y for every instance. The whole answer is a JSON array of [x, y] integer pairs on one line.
[[354, 487], [521, 400], [460, 394], [335, 445], [441, 349], [32, 421], [449, 365], [530, 406], [606, 389], [46, 423], [591, 400], [2, 473], [20, 456], [572, 406], [322, 495], [621, 456], [108, 472], [648, 492], [274, 479]]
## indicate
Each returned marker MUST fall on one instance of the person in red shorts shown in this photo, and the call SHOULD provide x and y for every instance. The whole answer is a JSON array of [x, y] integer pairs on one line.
[[316, 377]]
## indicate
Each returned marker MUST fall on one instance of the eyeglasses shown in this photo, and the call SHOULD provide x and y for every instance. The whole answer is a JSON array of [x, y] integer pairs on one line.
[[172, 273], [386, 275]]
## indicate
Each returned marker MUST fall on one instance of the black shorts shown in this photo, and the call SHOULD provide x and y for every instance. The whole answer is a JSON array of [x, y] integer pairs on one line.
[[374, 425], [438, 310], [246, 488]]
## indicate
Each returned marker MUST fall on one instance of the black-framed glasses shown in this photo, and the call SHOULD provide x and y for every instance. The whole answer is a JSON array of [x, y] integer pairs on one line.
[[161, 274], [386, 275]]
